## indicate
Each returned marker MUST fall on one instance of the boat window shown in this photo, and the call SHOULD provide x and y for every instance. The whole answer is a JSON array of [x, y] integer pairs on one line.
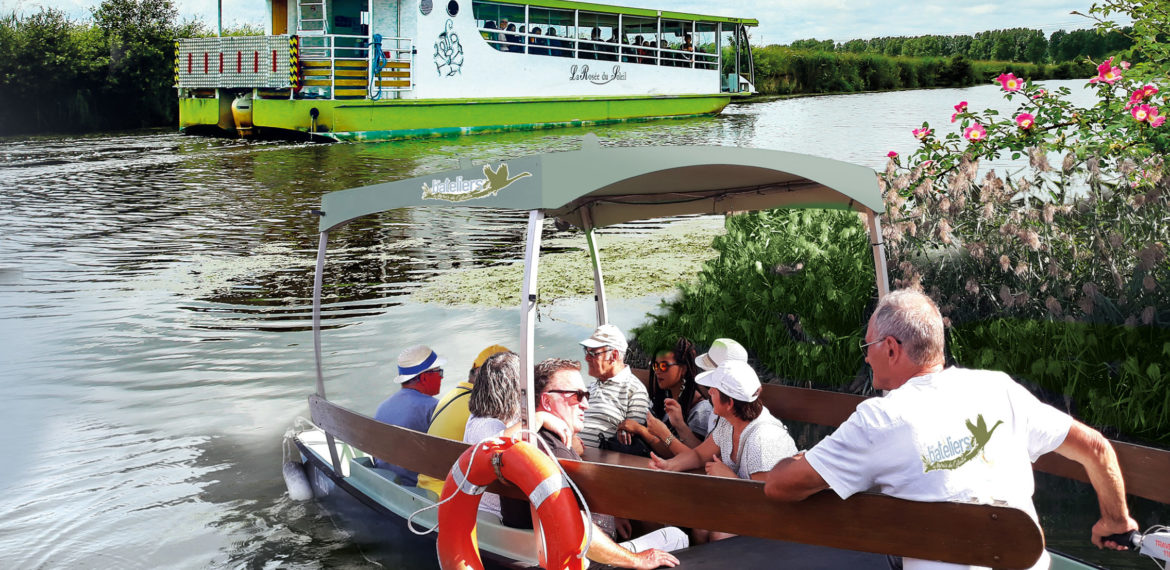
[[639, 39], [495, 19], [551, 32], [598, 34], [452, 8], [706, 49], [678, 36]]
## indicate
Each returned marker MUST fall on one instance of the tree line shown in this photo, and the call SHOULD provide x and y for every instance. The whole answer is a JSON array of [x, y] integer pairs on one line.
[[1016, 45], [113, 71]]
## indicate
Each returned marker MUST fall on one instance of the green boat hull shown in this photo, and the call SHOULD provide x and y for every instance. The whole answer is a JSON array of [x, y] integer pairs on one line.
[[364, 120]]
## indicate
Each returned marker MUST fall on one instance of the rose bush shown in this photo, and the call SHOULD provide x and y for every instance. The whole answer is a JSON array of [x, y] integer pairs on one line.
[[1077, 239]]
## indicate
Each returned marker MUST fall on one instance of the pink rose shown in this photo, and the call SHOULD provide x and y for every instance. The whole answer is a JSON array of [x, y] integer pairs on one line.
[[892, 154], [921, 134], [975, 133], [1010, 82], [1025, 120]]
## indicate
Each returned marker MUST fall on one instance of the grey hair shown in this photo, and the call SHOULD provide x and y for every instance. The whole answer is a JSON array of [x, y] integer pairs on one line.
[[913, 319], [497, 388]]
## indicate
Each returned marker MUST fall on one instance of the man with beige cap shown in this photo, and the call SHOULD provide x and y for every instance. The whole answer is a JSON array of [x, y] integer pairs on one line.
[[617, 394], [420, 372]]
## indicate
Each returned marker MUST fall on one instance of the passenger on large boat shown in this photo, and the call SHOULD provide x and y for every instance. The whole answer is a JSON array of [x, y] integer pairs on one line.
[[747, 440], [513, 40], [616, 395], [560, 391], [947, 433], [495, 410], [420, 372], [556, 45], [449, 419], [535, 43], [679, 416], [593, 46]]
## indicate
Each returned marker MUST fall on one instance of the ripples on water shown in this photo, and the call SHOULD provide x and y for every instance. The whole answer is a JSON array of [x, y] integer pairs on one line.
[[154, 316]]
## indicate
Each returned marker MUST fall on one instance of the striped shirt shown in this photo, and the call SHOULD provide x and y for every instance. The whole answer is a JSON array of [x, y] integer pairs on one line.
[[612, 401]]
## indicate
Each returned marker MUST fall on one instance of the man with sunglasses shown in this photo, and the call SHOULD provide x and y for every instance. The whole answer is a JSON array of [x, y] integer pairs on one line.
[[561, 392], [947, 433], [617, 395], [420, 372]]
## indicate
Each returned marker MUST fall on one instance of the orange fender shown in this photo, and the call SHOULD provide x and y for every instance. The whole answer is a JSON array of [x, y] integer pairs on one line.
[[538, 476]]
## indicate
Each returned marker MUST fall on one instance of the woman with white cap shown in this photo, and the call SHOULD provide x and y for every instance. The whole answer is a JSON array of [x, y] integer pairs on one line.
[[747, 440]]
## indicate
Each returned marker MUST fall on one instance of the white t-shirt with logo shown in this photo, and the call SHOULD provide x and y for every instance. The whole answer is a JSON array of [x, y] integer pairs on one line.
[[958, 435]]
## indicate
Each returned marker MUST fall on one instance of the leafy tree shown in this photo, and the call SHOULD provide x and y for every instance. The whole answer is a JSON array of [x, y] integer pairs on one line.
[[140, 35]]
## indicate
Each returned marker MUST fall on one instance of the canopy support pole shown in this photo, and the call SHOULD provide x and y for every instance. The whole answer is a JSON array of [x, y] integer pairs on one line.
[[317, 285], [528, 318], [595, 259], [879, 253]]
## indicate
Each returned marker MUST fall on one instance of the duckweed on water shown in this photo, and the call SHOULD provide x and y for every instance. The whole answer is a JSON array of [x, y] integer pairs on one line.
[[633, 265]]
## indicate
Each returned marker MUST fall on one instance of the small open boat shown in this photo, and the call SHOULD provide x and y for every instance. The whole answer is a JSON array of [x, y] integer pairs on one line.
[[596, 187]]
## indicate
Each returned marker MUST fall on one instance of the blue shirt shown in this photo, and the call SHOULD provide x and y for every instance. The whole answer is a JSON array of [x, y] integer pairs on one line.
[[410, 409]]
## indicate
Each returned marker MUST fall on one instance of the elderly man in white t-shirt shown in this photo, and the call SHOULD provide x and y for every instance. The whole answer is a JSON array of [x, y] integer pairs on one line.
[[947, 434]]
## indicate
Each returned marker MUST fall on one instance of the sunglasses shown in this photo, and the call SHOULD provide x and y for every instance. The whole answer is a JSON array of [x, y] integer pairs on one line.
[[866, 345], [575, 396], [432, 371], [662, 366], [595, 352]]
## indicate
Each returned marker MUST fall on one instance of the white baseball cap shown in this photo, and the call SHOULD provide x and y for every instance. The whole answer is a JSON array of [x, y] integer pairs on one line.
[[722, 350], [607, 335], [733, 378]]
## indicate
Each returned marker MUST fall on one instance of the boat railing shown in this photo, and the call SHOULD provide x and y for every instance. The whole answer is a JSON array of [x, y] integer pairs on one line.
[[580, 48], [339, 66], [235, 61]]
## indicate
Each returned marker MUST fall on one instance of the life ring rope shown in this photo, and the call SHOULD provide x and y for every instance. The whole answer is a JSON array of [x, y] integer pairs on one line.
[[551, 484]]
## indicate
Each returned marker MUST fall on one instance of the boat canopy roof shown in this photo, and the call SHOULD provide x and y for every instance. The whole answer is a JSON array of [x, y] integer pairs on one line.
[[628, 10], [596, 187]]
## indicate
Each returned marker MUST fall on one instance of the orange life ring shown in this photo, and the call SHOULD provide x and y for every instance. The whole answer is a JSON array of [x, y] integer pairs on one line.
[[538, 476]]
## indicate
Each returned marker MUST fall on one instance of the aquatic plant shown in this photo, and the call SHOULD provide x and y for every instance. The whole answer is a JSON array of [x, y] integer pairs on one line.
[[791, 286]]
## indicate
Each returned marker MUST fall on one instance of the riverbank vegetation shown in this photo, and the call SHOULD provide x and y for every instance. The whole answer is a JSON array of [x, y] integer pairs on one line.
[[1057, 273], [115, 71]]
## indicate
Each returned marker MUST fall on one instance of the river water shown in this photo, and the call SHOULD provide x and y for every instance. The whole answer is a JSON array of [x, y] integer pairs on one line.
[[154, 323]]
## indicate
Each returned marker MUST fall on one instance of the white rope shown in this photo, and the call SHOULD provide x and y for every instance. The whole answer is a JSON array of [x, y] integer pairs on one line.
[[588, 514], [410, 519], [540, 442]]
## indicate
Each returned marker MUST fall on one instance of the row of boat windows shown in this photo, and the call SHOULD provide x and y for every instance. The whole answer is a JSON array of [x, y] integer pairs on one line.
[[596, 35], [635, 50]]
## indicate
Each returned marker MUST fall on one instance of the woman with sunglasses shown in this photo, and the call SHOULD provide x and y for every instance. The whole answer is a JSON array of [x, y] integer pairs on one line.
[[679, 413]]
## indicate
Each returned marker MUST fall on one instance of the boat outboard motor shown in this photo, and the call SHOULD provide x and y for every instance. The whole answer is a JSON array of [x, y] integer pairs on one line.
[[295, 478], [1154, 543]]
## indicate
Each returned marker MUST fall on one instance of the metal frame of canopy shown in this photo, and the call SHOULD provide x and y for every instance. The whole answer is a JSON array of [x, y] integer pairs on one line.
[[596, 187]]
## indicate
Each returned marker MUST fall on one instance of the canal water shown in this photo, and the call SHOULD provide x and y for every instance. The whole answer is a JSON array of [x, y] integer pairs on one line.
[[155, 314]]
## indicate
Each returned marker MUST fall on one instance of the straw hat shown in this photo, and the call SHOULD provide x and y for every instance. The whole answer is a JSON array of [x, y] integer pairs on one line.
[[416, 360]]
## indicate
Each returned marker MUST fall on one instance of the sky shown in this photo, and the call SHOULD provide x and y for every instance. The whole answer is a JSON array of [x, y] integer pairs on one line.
[[781, 21]]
